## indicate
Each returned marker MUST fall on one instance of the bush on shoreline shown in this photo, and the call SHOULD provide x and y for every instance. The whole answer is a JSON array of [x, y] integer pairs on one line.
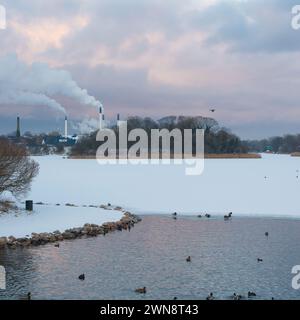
[[17, 170]]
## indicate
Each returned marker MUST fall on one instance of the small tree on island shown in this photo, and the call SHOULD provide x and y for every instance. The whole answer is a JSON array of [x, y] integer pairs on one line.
[[16, 169]]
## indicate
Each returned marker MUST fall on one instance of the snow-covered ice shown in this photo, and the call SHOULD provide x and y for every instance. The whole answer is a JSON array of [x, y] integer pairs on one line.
[[237, 185], [248, 187], [47, 218]]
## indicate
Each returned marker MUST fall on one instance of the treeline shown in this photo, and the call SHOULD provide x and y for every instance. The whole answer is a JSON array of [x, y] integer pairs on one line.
[[217, 140], [34, 143], [286, 144]]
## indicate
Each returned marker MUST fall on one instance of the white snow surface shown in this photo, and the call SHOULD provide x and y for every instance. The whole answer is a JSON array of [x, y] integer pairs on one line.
[[49, 218], [236, 185], [266, 187]]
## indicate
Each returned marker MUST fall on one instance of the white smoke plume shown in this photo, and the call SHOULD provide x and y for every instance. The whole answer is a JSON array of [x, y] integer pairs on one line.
[[36, 84], [87, 125]]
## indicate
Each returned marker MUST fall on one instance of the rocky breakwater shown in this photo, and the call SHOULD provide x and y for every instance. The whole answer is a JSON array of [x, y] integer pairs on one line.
[[88, 230]]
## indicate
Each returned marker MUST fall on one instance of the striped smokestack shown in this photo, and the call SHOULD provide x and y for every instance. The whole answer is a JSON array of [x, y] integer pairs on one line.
[[18, 132], [119, 122], [100, 117], [66, 127]]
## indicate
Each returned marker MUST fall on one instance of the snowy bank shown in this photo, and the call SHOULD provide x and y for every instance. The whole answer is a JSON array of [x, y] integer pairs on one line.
[[265, 187], [46, 218]]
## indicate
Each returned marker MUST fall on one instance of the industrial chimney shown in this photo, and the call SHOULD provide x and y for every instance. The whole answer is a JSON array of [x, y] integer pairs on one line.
[[18, 132], [66, 127], [118, 120], [101, 118]]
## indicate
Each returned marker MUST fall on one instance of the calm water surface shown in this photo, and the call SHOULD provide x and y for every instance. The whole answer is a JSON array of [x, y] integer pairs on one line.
[[224, 260]]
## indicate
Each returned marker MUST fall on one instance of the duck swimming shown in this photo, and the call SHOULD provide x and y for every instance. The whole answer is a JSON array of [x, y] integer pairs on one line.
[[236, 296], [210, 297], [141, 290], [251, 294], [82, 277], [228, 216]]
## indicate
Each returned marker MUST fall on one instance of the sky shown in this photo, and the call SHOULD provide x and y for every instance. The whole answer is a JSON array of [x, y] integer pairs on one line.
[[151, 58]]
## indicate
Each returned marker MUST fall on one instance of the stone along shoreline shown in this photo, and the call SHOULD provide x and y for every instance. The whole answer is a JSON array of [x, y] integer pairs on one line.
[[88, 230]]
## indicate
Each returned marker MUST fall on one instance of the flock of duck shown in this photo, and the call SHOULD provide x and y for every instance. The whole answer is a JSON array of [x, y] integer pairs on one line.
[[211, 296], [234, 296], [189, 259], [206, 215]]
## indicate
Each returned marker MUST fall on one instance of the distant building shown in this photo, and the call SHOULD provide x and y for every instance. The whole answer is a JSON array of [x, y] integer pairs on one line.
[[48, 140], [269, 149], [56, 140], [68, 141]]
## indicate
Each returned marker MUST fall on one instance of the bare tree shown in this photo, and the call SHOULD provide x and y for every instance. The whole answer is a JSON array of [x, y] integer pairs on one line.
[[16, 169]]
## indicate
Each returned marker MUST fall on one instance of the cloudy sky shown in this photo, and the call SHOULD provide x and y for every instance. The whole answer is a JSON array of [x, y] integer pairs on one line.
[[151, 58]]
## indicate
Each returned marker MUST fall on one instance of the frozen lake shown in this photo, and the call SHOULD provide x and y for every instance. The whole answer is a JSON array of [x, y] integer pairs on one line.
[[224, 253], [265, 187]]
